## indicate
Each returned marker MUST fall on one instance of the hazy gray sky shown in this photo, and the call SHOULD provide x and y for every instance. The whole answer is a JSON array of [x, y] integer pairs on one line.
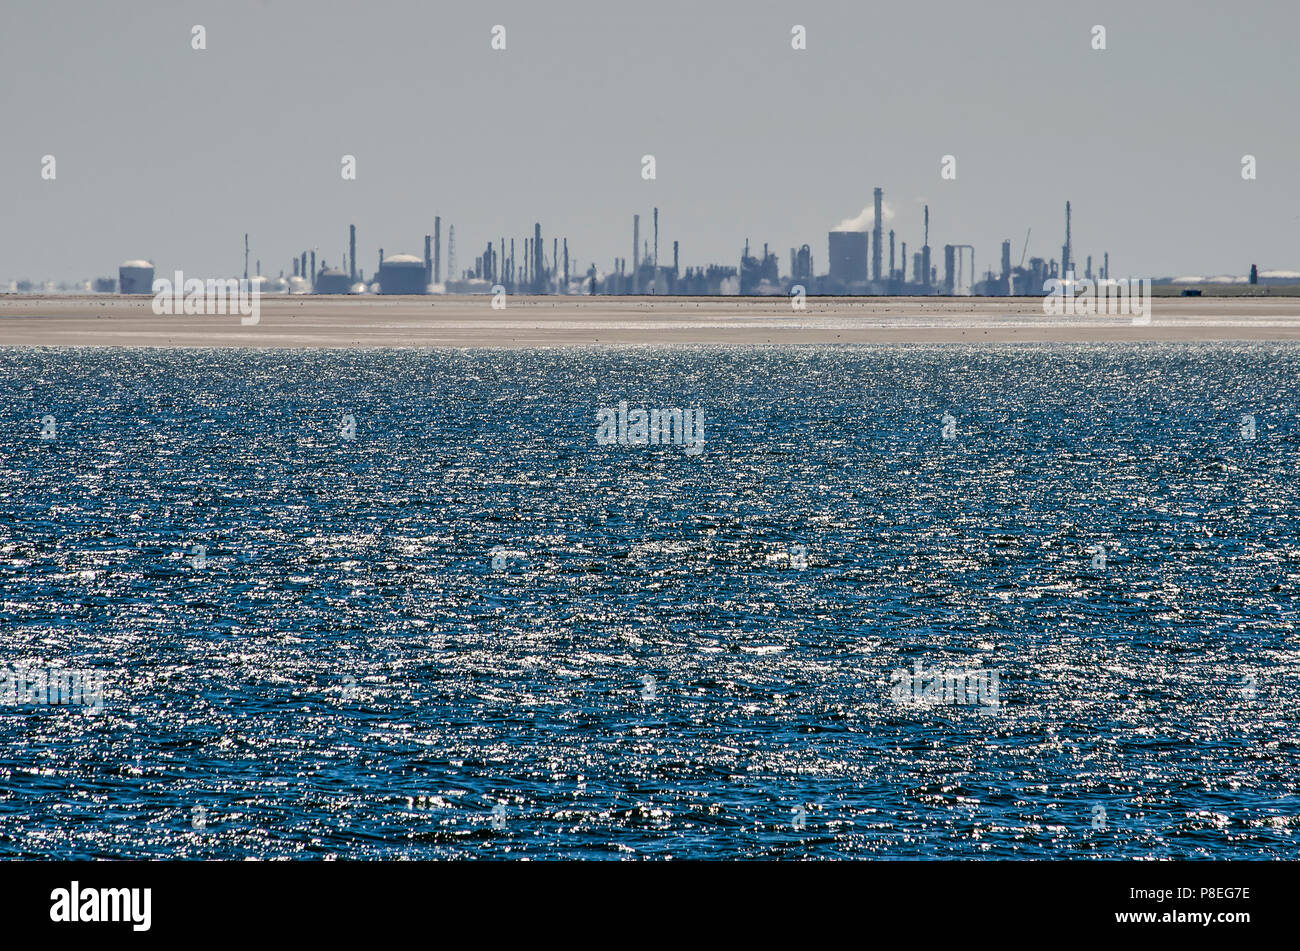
[[171, 153]]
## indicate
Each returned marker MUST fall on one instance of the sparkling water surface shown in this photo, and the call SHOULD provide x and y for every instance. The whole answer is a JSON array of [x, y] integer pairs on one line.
[[670, 656]]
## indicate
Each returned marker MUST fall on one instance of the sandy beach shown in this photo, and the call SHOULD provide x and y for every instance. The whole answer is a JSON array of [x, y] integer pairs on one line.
[[332, 322]]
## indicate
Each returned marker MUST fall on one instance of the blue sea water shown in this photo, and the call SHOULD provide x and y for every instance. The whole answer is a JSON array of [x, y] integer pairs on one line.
[[464, 629]]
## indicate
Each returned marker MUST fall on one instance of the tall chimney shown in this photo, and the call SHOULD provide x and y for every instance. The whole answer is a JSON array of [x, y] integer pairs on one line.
[[313, 267], [636, 251], [1067, 263], [675, 271], [877, 231], [891, 254], [565, 289], [902, 271], [926, 272], [437, 249], [656, 277], [539, 267], [428, 259], [352, 253]]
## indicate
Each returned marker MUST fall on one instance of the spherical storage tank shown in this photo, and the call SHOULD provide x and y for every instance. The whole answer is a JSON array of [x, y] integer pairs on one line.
[[135, 277], [268, 285], [402, 274]]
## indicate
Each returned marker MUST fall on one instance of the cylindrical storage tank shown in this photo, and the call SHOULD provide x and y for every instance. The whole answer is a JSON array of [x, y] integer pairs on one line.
[[333, 281], [402, 274], [135, 277], [848, 252]]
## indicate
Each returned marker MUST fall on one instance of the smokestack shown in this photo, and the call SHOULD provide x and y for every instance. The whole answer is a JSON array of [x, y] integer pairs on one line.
[[891, 254], [656, 250], [428, 259], [927, 270], [902, 271], [1006, 262], [949, 262], [566, 265], [295, 267], [1067, 264], [1105, 265], [313, 267], [539, 268], [877, 231], [636, 251], [245, 255], [675, 271], [352, 253], [555, 262], [437, 249]]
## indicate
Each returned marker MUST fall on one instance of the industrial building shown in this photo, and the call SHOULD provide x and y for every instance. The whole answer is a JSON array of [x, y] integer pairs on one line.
[[402, 274], [856, 257], [135, 277], [848, 258], [760, 276], [332, 281], [801, 266]]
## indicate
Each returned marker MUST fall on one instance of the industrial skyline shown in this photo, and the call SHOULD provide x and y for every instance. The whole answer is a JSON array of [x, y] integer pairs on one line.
[[855, 258], [172, 153]]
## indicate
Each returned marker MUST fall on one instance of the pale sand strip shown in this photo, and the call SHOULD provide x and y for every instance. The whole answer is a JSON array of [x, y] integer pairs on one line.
[[328, 322]]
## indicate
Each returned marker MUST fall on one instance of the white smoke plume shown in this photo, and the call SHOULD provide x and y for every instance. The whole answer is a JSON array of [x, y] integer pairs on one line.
[[866, 219]]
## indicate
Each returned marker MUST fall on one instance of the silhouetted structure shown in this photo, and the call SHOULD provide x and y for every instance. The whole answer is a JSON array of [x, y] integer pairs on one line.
[[848, 257], [135, 277]]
